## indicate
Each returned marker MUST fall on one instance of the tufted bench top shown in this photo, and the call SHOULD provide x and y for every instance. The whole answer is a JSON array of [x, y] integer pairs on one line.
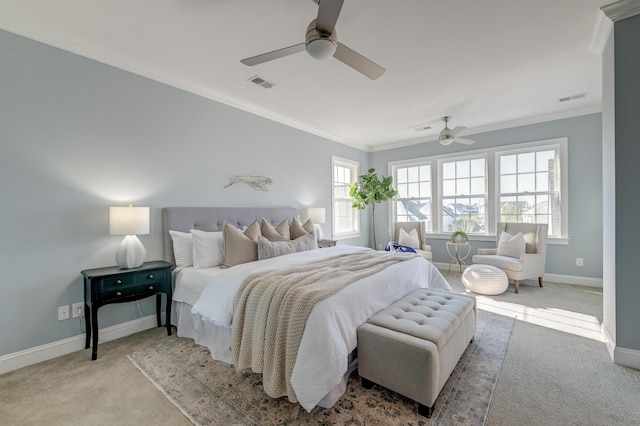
[[427, 314]]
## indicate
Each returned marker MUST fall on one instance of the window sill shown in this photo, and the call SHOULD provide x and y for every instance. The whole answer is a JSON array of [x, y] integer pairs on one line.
[[350, 236], [560, 241]]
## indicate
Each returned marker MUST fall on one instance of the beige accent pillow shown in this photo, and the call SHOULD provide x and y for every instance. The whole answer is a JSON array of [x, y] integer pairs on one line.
[[268, 249], [409, 238], [298, 230], [277, 233], [511, 246], [240, 247]]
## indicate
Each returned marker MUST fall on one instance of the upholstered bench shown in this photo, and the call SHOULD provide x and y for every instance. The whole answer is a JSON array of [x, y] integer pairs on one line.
[[412, 346]]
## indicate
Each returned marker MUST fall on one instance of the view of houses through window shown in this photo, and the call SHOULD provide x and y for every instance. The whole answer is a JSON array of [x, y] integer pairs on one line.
[[464, 195], [527, 188]]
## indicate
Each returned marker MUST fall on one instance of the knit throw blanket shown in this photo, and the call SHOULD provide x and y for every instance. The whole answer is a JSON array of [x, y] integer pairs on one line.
[[271, 310]]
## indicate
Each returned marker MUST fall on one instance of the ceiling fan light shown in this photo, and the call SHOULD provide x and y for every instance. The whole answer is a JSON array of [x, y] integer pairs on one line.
[[446, 141], [321, 48]]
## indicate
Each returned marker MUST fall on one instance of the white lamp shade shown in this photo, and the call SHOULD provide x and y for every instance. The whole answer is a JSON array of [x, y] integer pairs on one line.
[[128, 220], [317, 214]]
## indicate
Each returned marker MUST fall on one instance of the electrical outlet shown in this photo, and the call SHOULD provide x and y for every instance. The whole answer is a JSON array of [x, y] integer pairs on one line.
[[579, 261], [77, 309], [63, 312]]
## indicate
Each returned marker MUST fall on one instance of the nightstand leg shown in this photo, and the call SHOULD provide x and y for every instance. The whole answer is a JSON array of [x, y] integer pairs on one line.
[[94, 329], [158, 308], [87, 325], [168, 315]]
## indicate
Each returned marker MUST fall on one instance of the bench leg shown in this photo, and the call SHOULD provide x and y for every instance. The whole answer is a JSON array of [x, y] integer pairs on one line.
[[366, 383], [425, 411]]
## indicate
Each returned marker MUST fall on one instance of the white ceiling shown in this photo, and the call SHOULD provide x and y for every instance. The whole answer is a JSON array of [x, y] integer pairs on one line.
[[489, 64]]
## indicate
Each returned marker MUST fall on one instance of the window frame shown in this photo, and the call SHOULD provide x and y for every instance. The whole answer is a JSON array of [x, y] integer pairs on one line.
[[560, 145], [393, 168], [492, 185], [467, 156], [354, 166]]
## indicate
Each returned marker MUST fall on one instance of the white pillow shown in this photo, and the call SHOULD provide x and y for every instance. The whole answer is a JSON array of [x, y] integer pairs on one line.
[[409, 238], [182, 248], [208, 249], [511, 246]]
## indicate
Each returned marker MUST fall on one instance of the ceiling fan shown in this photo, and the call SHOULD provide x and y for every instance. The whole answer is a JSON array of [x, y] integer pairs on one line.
[[321, 42], [447, 135]]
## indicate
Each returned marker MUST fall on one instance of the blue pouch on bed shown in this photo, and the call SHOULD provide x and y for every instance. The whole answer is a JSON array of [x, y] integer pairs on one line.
[[393, 246]]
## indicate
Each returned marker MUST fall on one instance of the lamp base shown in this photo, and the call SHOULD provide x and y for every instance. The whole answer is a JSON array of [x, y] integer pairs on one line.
[[319, 232], [130, 253]]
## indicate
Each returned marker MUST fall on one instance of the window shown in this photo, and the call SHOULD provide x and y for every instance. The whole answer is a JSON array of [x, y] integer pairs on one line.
[[413, 203], [345, 221], [474, 190], [463, 195], [529, 185]]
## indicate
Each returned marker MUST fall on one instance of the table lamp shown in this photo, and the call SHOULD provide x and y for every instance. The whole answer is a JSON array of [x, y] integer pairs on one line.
[[317, 216], [129, 221]]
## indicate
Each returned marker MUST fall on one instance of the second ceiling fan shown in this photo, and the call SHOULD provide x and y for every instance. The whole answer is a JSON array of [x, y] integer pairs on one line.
[[321, 42], [447, 136]]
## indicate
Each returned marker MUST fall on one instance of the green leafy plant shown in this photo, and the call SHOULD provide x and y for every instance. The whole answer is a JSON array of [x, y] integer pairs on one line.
[[459, 236], [370, 189]]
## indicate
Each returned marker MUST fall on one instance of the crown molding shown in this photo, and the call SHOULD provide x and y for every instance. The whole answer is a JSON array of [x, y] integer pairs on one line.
[[621, 9], [601, 33]]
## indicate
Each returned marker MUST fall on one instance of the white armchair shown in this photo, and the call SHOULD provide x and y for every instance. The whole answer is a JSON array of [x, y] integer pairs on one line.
[[418, 245], [530, 264]]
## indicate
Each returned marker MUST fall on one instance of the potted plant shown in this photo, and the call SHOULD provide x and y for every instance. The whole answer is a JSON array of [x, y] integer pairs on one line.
[[371, 190], [459, 237]]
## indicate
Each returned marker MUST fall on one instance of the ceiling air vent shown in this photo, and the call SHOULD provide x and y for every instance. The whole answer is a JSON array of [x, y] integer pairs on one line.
[[420, 129], [261, 82], [572, 97]]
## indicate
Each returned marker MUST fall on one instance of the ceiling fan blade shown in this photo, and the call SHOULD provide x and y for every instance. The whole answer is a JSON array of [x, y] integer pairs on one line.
[[358, 62], [464, 141], [457, 129], [266, 57], [328, 12]]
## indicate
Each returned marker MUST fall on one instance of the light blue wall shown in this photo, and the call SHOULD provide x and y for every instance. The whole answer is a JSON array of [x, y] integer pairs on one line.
[[585, 188], [78, 136]]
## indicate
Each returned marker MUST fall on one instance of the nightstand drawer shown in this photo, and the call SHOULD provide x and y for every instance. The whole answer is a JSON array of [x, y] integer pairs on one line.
[[124, 285], [131, 290]]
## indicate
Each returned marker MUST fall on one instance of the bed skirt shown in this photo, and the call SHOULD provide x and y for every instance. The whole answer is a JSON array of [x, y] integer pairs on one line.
[[218, 340]]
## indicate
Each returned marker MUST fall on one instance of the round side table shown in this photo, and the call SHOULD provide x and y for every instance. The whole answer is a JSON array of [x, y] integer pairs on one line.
[[458, 253]]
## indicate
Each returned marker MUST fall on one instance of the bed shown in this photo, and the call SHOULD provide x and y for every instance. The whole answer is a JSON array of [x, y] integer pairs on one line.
[[203, 299]]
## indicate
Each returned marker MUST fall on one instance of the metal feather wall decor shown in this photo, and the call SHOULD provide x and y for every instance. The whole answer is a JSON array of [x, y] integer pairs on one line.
[[258, 183]]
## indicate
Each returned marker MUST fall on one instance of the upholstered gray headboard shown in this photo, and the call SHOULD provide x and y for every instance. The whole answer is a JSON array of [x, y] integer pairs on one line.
[[211, 219]]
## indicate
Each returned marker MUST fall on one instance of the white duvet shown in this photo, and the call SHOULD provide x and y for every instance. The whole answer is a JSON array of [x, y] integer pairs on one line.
[[330, 333]]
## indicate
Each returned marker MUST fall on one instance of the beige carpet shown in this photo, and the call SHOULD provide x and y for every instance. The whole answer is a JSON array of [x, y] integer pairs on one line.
[[558, 378], [209, 392]]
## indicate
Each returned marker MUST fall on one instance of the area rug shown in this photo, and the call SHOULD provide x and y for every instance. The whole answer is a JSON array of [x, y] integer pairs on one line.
[[210, 392]]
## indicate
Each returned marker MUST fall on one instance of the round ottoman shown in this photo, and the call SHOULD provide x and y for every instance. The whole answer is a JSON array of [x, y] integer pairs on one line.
[[485, 279]]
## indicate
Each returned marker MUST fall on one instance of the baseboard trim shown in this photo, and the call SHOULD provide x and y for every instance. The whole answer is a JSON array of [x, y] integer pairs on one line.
[[52, 350], [552, 278], [627, 357]]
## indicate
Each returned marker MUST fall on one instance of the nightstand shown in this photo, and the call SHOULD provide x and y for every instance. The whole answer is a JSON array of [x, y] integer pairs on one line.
[[326, 243], [113, 284]]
